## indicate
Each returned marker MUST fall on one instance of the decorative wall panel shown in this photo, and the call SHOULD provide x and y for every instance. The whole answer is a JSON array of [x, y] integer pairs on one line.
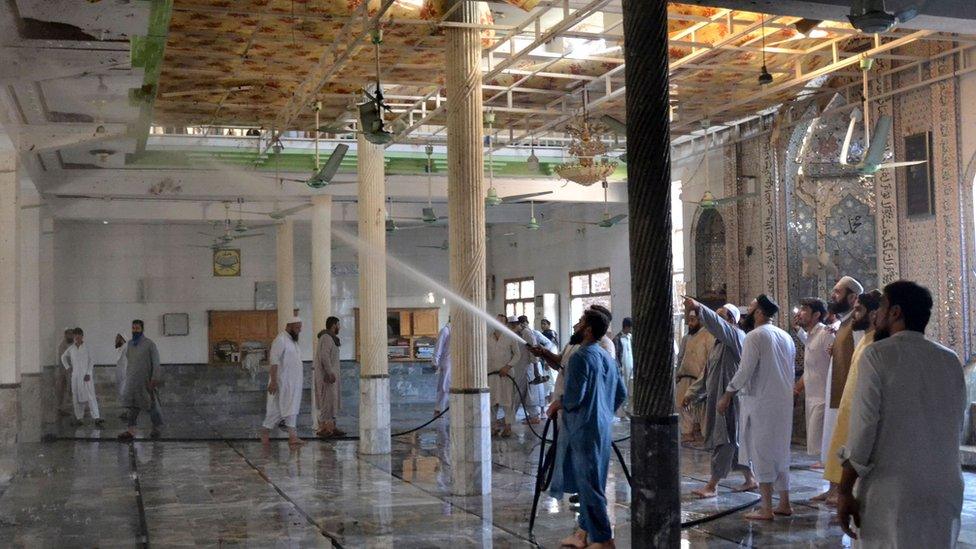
[[850, 238]]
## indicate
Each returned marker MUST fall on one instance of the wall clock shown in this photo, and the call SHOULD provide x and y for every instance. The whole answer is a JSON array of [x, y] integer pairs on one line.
[[227, 262]]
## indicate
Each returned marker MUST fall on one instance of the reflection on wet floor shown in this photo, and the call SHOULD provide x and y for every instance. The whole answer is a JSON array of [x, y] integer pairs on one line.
[[198, 490]]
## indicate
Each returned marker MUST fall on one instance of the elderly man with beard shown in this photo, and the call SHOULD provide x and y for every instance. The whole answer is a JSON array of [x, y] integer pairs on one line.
[[764, 385], [842, 297], [865, 311], [284, 384], [902, 450], [721, 435]]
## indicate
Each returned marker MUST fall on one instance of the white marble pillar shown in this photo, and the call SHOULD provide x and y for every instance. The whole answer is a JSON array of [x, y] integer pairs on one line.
[[470, 402], [285, 261], [9, 295], [374, 375], [321, 275], [29, 343]]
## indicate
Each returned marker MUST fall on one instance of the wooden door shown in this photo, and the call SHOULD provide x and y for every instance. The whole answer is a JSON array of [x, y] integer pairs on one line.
[[425, 322], [406, 329]]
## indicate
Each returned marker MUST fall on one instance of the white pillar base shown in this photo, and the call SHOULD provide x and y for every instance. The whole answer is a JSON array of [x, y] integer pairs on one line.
[[10, 412], [31, 407], [374, 415], [471, 443]]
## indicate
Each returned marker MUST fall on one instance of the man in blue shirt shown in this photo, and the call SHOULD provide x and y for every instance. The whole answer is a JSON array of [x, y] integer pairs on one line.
[[593, 393]]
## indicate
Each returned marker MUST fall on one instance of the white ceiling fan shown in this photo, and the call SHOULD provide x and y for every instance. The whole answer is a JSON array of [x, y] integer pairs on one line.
[[608, 220], [873, 159], [492, 198]]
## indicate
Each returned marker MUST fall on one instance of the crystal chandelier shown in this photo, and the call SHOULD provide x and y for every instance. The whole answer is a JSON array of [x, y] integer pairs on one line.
[[589, 167]]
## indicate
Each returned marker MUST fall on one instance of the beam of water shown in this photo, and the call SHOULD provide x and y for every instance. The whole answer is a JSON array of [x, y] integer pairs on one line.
[[412, 272]]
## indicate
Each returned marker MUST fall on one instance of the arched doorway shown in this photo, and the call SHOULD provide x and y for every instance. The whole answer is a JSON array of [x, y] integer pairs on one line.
[[710, 275]]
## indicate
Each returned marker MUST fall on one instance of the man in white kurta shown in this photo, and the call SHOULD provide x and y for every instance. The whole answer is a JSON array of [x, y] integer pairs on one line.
[[78, 359], [442, 363], [764, 384], [816, 338], [525, 393], [906, 423], [502, 348], [284, 383]]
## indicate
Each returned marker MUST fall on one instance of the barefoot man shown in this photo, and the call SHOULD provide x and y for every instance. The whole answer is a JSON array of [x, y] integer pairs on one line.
[[284, 383], [593, 393], [720, 429], [764, 384]]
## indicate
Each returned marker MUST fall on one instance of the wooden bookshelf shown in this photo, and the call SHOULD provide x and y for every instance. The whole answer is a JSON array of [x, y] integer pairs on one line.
[[410, 331]]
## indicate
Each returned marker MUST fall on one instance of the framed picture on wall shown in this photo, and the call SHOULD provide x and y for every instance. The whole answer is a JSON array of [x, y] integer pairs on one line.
[[176, 324], [919, 190], [227, 262]]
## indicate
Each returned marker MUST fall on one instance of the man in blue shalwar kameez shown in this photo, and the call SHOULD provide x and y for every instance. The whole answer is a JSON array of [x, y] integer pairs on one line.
[[593, 393]]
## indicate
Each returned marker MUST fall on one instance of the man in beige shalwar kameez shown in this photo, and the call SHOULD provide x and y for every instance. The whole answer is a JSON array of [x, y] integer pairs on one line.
[[325, 376]]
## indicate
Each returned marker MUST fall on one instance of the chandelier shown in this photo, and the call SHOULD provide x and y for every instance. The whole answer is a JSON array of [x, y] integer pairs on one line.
[[588, 167]]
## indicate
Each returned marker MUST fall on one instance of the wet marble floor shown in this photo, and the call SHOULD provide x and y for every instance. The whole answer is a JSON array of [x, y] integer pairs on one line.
[[206, 484]]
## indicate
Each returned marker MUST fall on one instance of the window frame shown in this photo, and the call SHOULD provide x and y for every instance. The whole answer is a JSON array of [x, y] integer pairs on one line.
[[523, 300], [589, 273]]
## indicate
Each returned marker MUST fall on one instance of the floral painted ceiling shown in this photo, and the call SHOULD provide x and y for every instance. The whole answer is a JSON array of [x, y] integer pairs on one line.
[[243, 62]]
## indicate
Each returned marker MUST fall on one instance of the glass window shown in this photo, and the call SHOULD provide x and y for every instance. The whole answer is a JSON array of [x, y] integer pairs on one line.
[[588, 288], [520, 298]]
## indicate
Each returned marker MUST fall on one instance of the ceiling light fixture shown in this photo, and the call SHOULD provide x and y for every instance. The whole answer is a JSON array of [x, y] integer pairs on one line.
[[764, 76]]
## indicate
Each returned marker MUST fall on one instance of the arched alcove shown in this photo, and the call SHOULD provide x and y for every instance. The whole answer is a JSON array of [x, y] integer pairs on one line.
[[710, 274]]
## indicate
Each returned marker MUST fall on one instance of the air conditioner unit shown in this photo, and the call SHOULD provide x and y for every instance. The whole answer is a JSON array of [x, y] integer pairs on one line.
[[547, 306]]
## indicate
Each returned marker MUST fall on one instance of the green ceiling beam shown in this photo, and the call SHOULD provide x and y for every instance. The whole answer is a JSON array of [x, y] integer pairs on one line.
[[147, 52]]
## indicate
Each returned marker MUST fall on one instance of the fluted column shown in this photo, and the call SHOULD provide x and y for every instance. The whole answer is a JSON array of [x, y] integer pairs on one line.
[[285, 260], [321, 275], [29, 340], [470, 403], [656, 506], [9, 296], [374, 376]]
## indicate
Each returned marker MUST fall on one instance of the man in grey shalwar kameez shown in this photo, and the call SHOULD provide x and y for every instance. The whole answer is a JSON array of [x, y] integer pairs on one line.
[[905, 429], [141, 378], [720, 429], [326, 372]]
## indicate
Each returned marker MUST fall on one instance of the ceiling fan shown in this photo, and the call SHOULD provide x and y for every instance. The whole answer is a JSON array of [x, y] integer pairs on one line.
[[492, 198], [371, 110], [442, 247], [428, 215], [231, 232], [708, 200], [278, 214], [873, 159], [608, 220]]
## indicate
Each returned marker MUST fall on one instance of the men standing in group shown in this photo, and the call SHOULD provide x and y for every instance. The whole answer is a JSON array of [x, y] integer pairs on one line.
[[78, 358], [441, 361], [593, 392], [623, 345], [528, 391], [502, 350], [862, 319], [816, 338], [764, 384], [325, 375], [692, 356], [843, 296], [721, 435], [62, 379], [121, 365], [285, 382], [906, 424], [142, 376]]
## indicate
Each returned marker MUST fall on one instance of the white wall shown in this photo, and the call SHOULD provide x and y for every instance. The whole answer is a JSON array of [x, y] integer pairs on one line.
[[551, 253], [97, 268]]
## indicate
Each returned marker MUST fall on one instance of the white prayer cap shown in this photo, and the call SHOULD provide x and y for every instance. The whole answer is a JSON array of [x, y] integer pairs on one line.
[[852, 285], [513, 319], [734, 311], [295, 320]]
